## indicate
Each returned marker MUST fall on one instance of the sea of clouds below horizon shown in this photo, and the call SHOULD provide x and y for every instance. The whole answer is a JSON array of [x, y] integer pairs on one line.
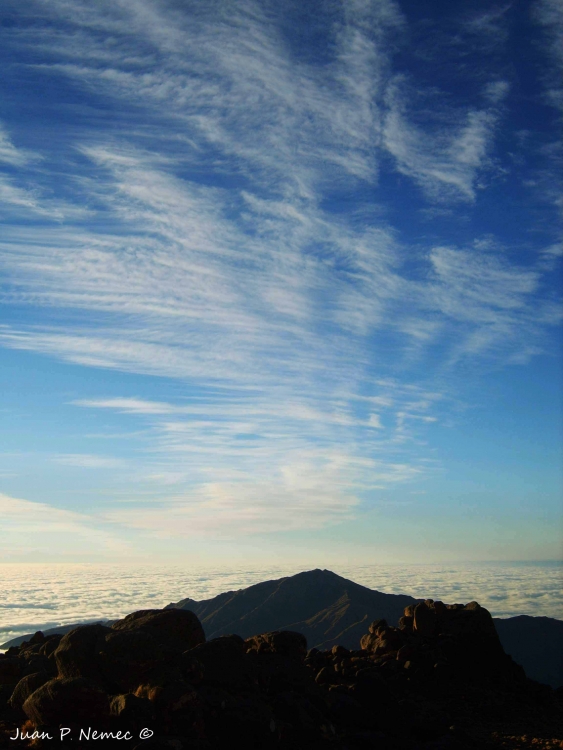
[[36, 597]]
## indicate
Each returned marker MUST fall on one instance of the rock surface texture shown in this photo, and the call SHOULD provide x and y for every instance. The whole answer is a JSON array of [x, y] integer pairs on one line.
[[439, 681]]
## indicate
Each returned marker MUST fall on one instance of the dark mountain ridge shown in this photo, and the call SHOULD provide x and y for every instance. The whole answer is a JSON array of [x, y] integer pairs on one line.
[[322, 605], [329, 609], [536, 643]]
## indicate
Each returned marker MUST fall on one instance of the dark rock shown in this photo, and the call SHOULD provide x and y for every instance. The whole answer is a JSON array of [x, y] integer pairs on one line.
[[249, 716], [11, 668], [325, 675], [345, 710], [406, 652], [26, 686], [191, 668], [220, 660], [177, 627], [66, 701], [75, 655], [283, 642], [382, 640], [406, 623], [177, 707], [369, 641], [425, 620], [50, 645], [39, 663], [131, 710], [376, 624], [5, 694], [127, 658]]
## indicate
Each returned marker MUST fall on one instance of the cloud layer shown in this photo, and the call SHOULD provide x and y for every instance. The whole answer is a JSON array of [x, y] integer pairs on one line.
[[45, 596]]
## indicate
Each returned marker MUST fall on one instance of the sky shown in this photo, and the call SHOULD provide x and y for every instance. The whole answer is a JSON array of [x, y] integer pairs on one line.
[[280, 281]]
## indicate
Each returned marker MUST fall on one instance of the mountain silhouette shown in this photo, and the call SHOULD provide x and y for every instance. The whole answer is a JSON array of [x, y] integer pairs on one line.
[[329, 609], [536, 643], [324, 607]]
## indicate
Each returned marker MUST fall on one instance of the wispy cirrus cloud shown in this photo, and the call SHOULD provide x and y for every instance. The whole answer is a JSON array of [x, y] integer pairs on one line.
[[444, 161], [10, 154], [549, 14], [29, 525], [231, 460], [213, 248], [264, 318], [490, 23], [87, 461]]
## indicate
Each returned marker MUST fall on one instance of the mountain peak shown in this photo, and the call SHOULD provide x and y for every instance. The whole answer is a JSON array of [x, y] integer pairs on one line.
[[319, 603]]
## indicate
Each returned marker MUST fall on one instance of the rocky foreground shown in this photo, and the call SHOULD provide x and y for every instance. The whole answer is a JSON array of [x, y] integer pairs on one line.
[[441, 680]]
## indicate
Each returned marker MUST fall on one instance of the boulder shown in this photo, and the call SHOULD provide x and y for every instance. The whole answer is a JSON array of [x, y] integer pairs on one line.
[[406, 623], [382, 640], [179, 628], [283, 642], [222, 661], [425, 619], [376, 624], [67, 701], [39, 663], [50, 644], [5, 694], [26, 686], [177, 707], [11, 668], [471, 619], [129, 653], [75, 655], [369, 641], [131, 711], [191, 668], [127, 658], [249, 716]]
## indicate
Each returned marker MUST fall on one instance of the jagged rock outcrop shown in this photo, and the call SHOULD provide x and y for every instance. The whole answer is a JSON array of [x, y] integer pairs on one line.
[[440, 680], [453, 638]]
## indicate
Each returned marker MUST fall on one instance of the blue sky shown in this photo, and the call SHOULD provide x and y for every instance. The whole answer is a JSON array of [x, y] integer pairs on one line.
[[280, 281]]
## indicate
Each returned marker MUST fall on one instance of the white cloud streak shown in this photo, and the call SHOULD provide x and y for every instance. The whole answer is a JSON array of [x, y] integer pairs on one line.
[[40, 527], [86, 461], [238, 277], [445, 163], [549, 13], [9, 154]]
